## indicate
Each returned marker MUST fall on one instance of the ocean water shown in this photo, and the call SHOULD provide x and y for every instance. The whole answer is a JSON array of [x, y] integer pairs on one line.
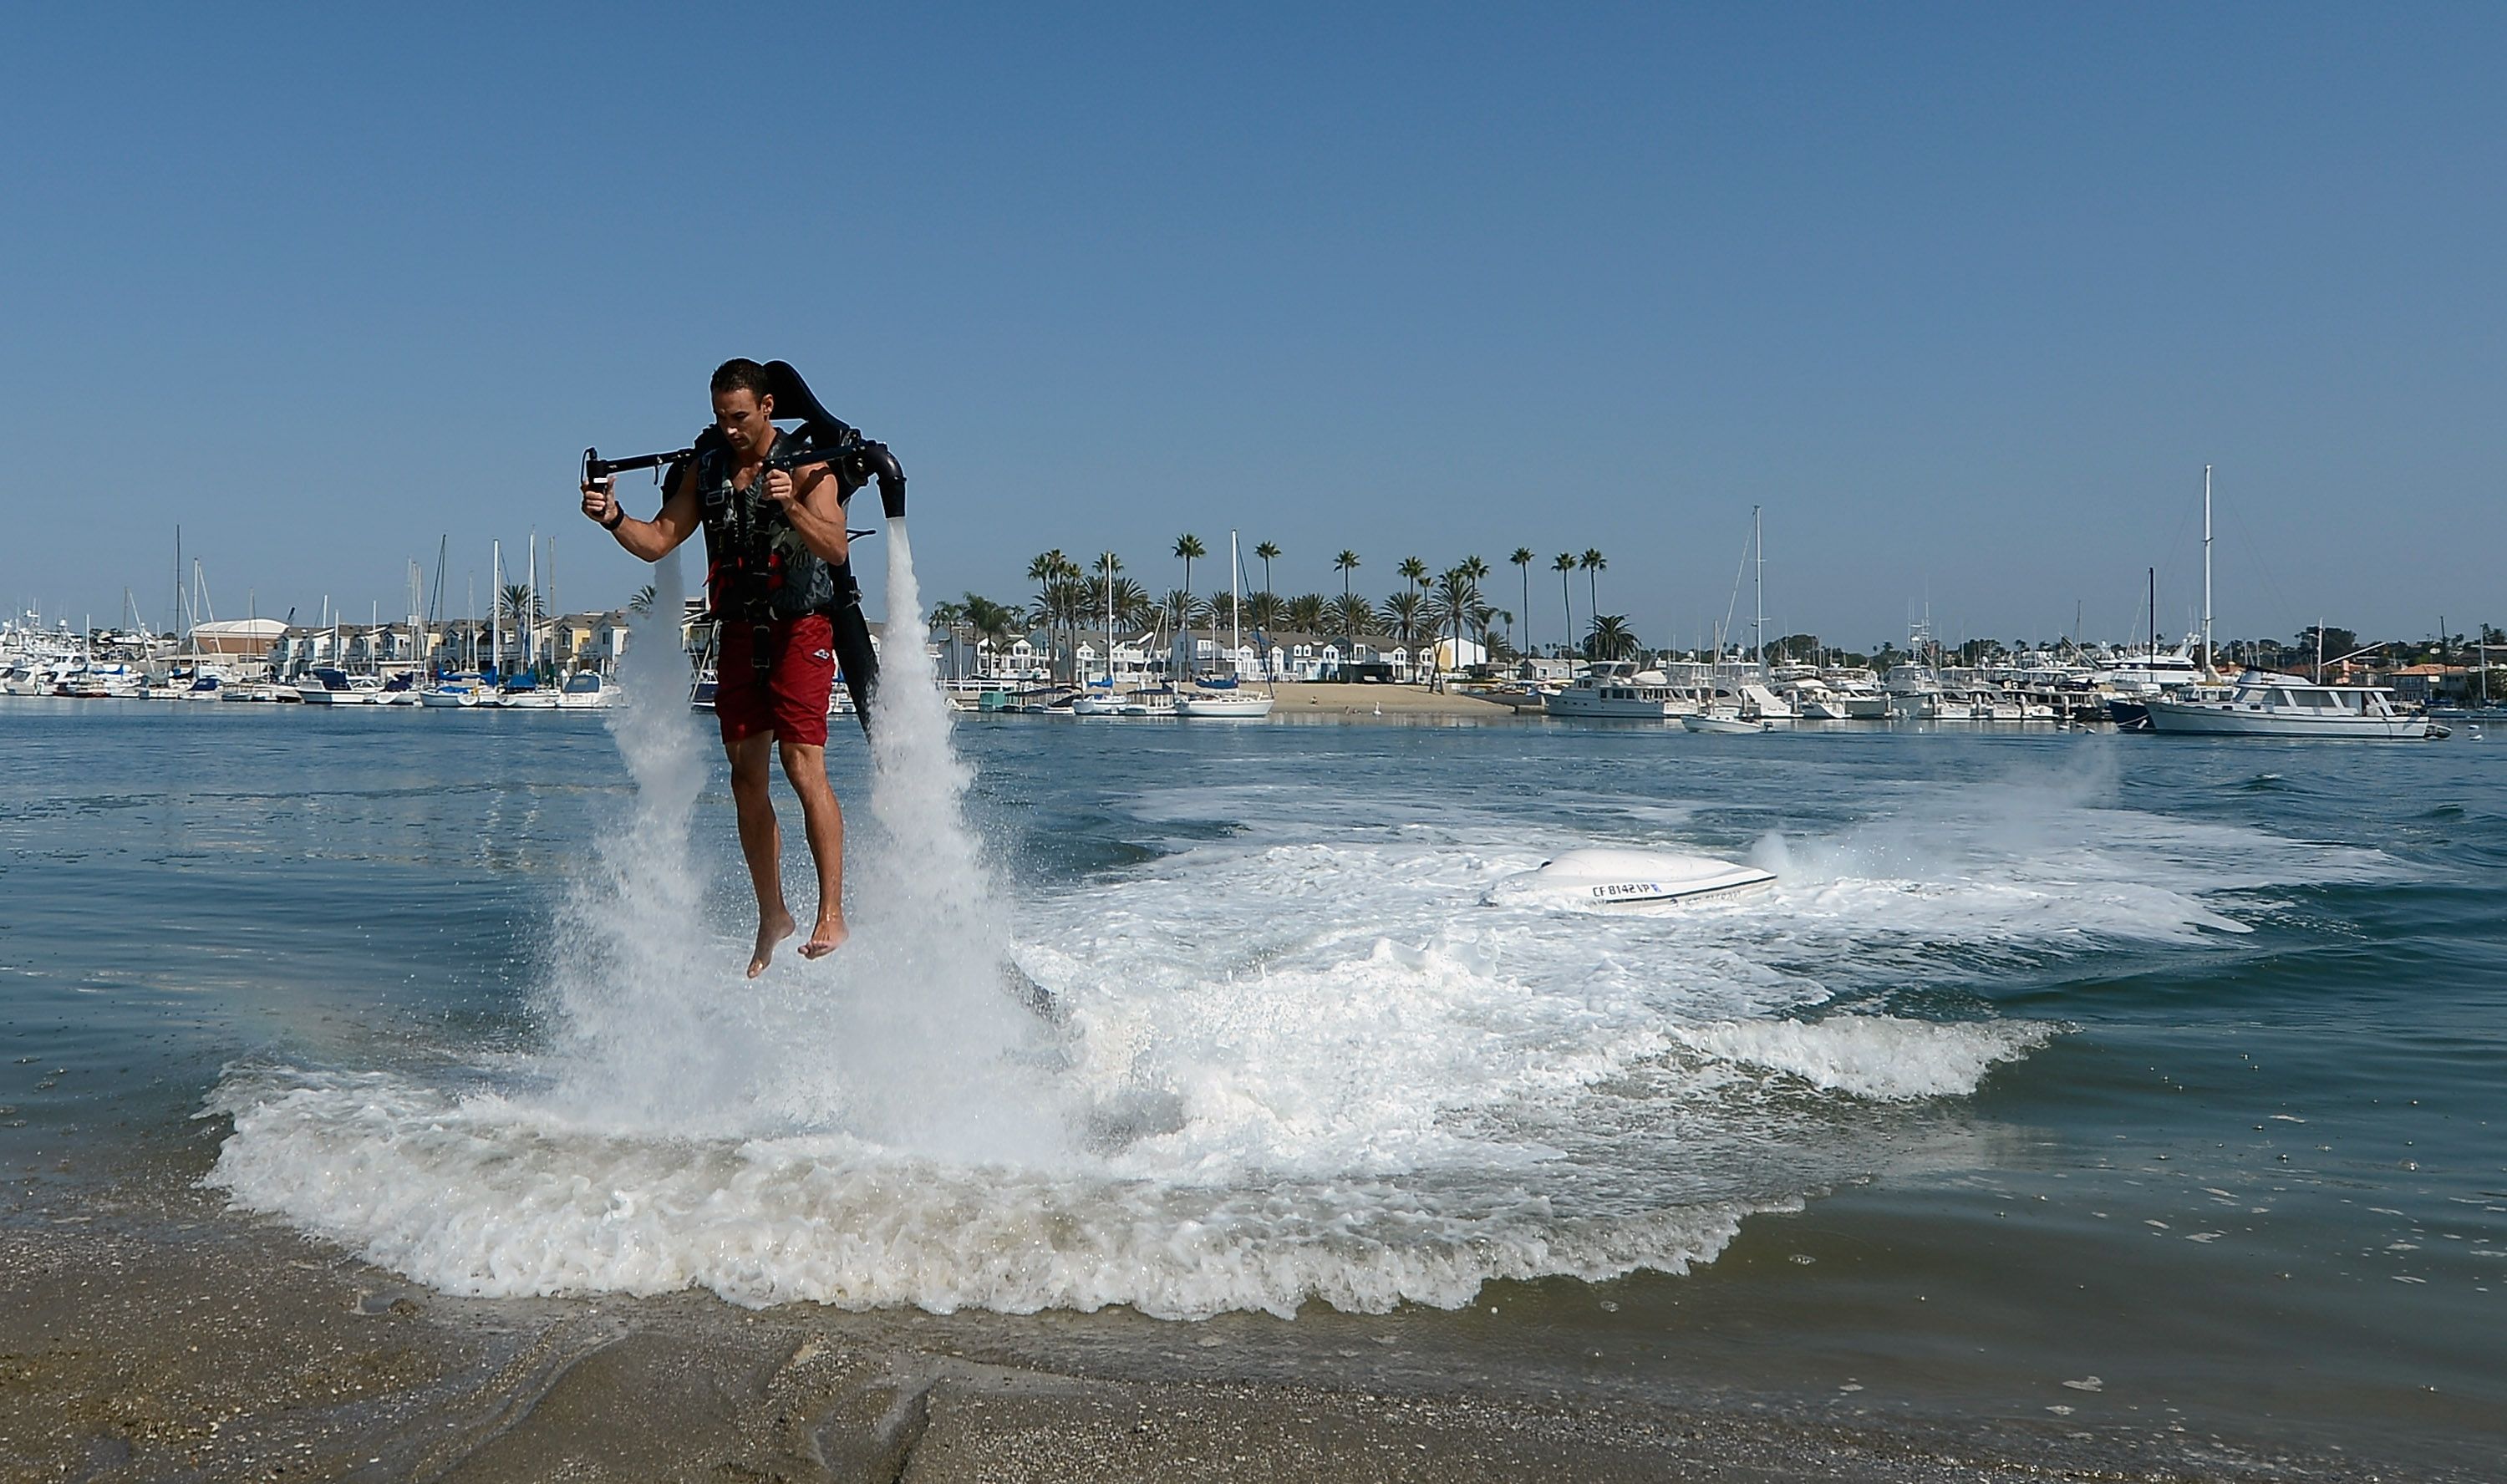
[[2104, 1082]]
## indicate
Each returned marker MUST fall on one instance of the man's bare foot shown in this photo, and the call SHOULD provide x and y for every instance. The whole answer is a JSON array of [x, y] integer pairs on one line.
[[771, 930], [828, 936]]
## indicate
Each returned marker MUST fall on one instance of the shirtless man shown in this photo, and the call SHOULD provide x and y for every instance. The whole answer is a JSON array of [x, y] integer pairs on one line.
[[774, 545]]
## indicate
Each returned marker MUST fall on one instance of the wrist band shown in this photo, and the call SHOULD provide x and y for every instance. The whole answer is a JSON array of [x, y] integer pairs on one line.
[[617, 517]]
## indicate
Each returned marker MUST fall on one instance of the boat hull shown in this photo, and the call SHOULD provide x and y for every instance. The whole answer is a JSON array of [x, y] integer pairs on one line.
[[2218, 720], [1240, 708], [1604, 880]]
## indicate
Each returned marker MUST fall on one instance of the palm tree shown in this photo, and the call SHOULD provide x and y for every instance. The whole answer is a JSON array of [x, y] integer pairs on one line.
[[1058, 597], [1351, 615], [1405, 615], [643, 603], [1188, 546], [1132, 605], [951, 617], [1413, 571], [1507, 644], [1523, 559], [1180, 610], [992, 622], [1346, 561], [1266, 551], [1611, 639], [1265, 610], [1450, 602], [1565, 567], [1592, 564], [1306, 612]]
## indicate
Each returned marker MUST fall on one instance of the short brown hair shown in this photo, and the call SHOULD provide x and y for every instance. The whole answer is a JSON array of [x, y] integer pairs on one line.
[[740, 374]]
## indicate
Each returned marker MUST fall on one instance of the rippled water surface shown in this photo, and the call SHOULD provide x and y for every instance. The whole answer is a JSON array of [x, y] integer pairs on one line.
[[2099, 1080]]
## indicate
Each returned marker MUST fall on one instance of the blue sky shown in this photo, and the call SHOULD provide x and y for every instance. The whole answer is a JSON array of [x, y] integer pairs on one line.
[[1965, 296]]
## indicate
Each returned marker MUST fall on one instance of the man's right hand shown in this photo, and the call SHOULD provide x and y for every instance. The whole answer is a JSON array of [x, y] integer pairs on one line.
[[598, 500]]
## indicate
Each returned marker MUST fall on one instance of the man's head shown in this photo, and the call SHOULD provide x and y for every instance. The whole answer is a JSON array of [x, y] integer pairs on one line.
[[743, 409]]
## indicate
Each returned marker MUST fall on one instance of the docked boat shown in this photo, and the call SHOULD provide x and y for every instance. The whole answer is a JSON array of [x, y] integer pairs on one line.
[[1224, 697], [1223, 702], [1617, 691], [1912, 692], [336, 687], [1609, 879], [587, 691], [522, 693], [460, 693], [2264, 704]]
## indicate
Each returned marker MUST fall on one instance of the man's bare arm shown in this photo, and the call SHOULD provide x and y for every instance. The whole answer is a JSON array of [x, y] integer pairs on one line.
[[655, 539], [808, 496]]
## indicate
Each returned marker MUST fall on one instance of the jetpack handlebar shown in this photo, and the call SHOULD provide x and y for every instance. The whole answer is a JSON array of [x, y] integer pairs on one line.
[[823, 439]]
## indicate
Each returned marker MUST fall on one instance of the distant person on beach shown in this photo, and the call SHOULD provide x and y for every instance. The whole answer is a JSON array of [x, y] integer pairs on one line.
[[774, 543]]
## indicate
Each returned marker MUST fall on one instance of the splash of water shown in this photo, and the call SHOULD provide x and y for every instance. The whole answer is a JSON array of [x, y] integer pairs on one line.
[[902, 1038]]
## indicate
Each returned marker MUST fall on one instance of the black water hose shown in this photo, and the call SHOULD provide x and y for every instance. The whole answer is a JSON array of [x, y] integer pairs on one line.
[[881, 465]]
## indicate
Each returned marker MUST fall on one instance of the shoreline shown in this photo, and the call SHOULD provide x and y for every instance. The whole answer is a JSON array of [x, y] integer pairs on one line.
[[168, 1338], [1338, 702]]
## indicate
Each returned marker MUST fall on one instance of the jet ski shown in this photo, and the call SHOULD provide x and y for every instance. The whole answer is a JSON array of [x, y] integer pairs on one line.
[[1610, 880]]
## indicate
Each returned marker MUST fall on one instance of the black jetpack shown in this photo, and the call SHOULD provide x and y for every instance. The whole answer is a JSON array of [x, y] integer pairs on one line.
[[821, 439]]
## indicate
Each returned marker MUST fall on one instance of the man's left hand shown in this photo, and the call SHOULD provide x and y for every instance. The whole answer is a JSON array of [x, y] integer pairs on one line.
[[779, 487]]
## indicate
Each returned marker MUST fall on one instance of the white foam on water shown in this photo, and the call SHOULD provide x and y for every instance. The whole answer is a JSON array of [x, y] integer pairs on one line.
[[1299, 1063], [1872, 1056]]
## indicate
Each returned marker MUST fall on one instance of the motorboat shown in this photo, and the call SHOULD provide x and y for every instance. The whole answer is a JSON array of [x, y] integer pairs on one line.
[[336, 687], [1618, 691], [2265, 704], [1914, 691], [1615, 879], [587, 691], [1724, 723]]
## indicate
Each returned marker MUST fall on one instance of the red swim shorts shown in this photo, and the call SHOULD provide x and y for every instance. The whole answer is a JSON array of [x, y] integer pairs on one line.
[[789, 701]]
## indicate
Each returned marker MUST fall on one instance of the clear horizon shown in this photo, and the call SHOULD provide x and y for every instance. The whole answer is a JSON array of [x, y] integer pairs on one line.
[[1965, 300]]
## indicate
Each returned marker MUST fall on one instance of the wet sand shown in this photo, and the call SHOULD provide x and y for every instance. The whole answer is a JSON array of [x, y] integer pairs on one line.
[[186, 1342]]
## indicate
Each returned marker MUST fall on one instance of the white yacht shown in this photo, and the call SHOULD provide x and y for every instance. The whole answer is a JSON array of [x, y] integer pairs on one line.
[[586, 690], [2264, 705], [335, 687], [1617, 691], [2149, 672], [1912, 692]]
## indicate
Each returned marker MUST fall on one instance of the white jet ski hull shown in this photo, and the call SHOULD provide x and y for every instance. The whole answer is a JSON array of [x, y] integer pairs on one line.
[[1610, 880]]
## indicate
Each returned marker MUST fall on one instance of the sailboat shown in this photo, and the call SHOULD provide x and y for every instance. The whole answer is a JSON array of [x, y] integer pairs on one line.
[[1227, 698], [1736, 719]]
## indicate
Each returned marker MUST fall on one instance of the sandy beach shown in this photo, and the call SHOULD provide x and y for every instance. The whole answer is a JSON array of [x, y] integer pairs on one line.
[[1384, 702], [196, 1343]]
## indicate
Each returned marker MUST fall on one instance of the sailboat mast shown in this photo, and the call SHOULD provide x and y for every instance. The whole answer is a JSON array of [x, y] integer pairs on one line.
[[1759, 592], [2207, 663], [1235, 602], [497, 606]]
